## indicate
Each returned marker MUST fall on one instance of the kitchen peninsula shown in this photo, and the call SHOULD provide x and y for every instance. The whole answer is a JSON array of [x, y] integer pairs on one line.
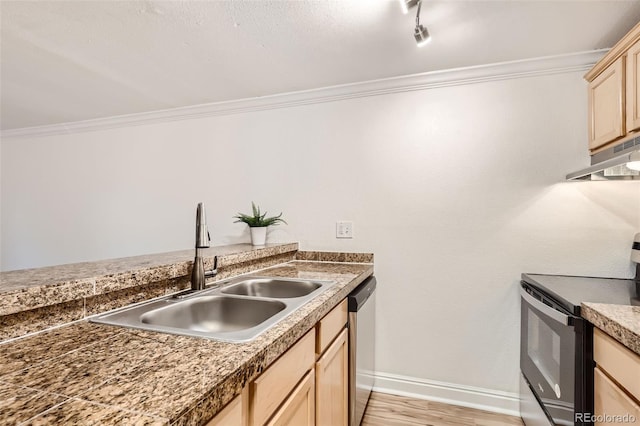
[[81, 372]]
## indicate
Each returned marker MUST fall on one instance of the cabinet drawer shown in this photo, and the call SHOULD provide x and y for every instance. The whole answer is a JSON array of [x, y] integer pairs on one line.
[[611, 402], [270, 389], [619, 362], [331, 325]]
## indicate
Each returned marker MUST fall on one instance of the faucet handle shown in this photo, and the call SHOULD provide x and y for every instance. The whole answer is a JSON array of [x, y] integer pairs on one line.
[[214, 271]]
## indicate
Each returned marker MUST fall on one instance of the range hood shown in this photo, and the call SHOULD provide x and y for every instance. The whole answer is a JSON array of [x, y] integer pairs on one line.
[[620, 162]]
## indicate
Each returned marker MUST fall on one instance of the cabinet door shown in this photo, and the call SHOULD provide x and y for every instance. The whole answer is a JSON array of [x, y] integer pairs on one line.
[[298, 409], [633, 88], [611, 404], [606, 103], [332, 384], [268, 391], [231, 415]]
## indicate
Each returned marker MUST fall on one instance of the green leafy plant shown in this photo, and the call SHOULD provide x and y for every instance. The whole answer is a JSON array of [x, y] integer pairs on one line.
[[258, 219]]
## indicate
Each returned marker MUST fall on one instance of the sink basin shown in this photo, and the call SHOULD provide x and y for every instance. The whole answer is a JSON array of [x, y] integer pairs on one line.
[[237, 310], [272, 288], [218, 314]]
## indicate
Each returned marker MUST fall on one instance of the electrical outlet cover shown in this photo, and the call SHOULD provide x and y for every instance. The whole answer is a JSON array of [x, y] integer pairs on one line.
[[344, 229]]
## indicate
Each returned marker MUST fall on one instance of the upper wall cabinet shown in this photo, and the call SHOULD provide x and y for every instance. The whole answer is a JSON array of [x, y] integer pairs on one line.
[[614, 93], [633, 88], [606, 104]]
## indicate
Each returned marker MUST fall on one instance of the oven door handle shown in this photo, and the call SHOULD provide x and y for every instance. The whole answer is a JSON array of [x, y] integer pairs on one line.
[[547, 310]]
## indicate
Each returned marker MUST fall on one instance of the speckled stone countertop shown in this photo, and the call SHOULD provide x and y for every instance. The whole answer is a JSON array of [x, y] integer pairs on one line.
[[622, 322], [86, 373], [33, 288]]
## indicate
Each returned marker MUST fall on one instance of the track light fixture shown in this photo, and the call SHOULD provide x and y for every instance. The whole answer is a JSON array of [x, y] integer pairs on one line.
[[421, 33], [407, 4]]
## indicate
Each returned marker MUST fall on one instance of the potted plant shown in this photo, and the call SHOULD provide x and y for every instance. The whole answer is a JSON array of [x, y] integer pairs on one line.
[[258, 224]]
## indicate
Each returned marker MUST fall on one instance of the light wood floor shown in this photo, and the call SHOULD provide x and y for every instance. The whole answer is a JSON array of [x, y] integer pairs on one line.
[[392, 410]]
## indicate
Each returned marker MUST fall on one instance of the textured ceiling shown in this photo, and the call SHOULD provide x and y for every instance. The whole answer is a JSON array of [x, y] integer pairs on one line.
[[65, 61]]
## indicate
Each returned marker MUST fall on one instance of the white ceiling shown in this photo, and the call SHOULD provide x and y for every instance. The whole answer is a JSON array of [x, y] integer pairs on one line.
[[65, 61]]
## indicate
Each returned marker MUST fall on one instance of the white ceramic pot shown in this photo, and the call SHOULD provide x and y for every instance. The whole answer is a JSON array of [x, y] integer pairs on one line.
[[258, 235]]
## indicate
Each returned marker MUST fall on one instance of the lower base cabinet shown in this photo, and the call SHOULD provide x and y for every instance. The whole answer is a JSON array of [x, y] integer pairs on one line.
[[332, 384], [299, 408], [612, 404], [274, 386], [616, 382], [234, 414]]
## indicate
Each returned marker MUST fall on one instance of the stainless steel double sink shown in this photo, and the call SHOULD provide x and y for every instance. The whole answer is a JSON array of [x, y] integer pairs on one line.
[[236, 311]]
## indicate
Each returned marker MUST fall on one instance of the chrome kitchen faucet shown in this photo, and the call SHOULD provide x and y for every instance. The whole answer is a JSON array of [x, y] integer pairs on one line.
[[203, 239]]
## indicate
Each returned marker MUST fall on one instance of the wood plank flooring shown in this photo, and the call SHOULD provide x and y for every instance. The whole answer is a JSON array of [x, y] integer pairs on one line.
[[393, 410]]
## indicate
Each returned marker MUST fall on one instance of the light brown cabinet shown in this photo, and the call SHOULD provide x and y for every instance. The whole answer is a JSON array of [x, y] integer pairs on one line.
[[332, 368], [234, 414], [331, 325], [633, 88], [614, 96], [611, 404], [299, 408], [606, 103], [272, 388], [332, 383], [616, 382]]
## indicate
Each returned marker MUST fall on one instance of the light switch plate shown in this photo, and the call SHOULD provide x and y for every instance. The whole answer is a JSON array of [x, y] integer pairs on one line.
[[344, 229]]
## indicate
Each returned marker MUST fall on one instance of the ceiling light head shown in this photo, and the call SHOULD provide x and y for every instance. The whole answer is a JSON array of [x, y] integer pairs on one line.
[[407, 4], [422, 35]]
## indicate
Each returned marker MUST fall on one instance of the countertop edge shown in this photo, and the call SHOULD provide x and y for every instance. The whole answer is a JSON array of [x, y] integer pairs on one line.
[[622, 322]]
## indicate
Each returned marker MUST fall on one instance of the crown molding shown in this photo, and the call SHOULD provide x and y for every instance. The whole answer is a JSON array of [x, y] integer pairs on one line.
[[575, 62]]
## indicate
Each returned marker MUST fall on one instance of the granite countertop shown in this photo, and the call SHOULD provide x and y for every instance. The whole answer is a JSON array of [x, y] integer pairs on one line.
[[622, 322], [86, 373], [33, 288]]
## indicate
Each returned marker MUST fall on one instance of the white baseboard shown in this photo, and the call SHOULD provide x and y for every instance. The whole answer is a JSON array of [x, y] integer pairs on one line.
[[449, 393]]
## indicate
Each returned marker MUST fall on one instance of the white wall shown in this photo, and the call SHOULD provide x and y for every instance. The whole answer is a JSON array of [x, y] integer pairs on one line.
[[457, 190]]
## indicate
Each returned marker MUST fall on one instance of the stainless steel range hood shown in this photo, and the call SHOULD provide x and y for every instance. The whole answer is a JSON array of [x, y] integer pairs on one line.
[[611, 164]]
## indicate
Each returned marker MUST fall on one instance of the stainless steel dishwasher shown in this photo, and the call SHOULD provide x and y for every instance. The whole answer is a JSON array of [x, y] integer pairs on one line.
[[362, 321]]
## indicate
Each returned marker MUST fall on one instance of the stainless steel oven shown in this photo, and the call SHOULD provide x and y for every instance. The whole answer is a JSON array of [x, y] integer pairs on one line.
[[556, 343], [556, 361]]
